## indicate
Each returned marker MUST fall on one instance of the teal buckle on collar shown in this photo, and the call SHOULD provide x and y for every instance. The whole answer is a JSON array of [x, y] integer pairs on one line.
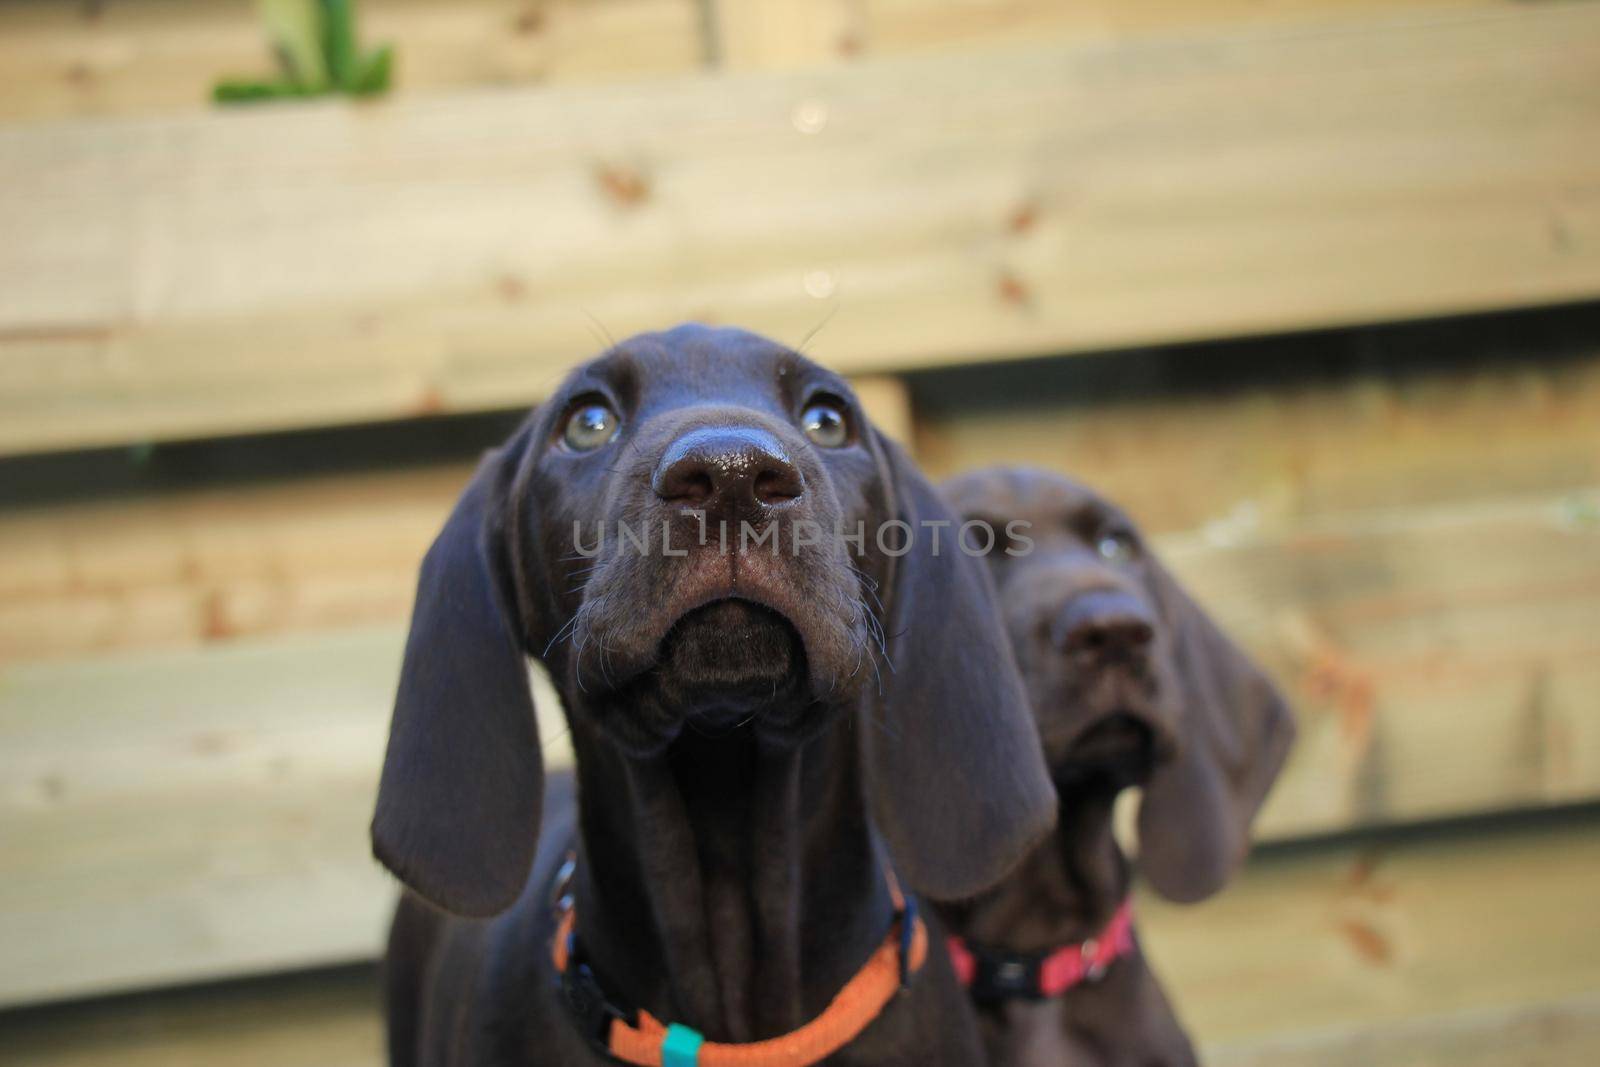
[[681, 1047]]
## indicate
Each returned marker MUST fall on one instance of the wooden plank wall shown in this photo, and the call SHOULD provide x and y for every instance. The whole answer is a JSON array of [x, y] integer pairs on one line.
[[63, 59], [784, 34], [194, 694], [1453, 950], [1412, 549], [177, 816], [1403, 522], [194, 567], [448, 253]]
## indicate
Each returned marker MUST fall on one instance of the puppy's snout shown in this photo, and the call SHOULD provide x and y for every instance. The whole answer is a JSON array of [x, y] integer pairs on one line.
[[1104, 624], [730, 470]]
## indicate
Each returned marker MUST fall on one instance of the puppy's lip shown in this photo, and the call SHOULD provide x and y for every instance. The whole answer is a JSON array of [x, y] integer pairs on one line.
[[718, 607], [1119, 729], [706, 586], [1122, 743], [732, 616], [632, 610], [736, 617], [1114, 730], [727, 663]]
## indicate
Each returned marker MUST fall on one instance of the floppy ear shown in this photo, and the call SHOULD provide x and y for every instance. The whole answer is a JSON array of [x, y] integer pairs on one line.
[[458, 803], [958, 781], [1194, 820]]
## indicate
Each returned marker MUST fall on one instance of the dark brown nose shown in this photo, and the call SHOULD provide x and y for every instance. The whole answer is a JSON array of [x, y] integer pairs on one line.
[[1109, 624], [729, 470]]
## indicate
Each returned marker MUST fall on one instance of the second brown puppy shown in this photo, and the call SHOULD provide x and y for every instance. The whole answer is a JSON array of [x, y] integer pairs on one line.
[[1131, 685]]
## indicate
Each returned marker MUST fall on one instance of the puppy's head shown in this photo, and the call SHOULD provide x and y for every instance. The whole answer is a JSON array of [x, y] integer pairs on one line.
[[1130, 682], [690, 535], [673, 534]]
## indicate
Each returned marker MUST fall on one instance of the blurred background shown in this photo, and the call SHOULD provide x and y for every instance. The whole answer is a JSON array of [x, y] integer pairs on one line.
[[1310, 286]]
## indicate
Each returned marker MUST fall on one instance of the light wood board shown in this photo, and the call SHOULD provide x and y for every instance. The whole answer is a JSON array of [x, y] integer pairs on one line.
[[784, 34], [1378, 932], [325, 263], [179, 817], [1466, 950], [151, 57], [153, 798]]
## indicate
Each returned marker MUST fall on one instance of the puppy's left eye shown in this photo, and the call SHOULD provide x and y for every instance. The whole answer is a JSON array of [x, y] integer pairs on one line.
[[1116, 546], [824, 422], [591, 425]]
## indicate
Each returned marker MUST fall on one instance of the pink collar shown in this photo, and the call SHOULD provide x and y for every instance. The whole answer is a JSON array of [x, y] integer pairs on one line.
[[998, 975]]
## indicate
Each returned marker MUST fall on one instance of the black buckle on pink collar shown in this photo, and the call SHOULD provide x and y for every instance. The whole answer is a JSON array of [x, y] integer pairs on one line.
[[992, 975]]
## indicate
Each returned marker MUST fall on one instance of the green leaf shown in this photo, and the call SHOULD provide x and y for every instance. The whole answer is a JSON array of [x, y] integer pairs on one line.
[[296, 29], [376, 68], [339, 33], [250, 92], [315, 43]]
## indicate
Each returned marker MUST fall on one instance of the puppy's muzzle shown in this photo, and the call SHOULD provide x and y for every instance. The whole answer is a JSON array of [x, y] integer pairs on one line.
[[1104, 626]]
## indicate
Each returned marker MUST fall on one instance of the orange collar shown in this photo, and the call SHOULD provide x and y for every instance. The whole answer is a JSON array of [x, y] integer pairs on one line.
[[647, 1042]]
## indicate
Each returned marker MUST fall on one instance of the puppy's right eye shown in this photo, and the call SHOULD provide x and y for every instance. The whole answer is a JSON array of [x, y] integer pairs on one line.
[[589, 426], [824, 422], [1116, 546]]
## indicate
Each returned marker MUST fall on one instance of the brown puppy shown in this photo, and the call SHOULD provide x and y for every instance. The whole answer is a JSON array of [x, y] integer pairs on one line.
[[663, 535], [1132, 685]]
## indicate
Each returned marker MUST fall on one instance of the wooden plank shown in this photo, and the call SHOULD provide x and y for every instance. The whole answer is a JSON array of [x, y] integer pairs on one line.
[[326, 263], [1476, 919], [1338, 956], [317, 1020], [178, 817], [179, 568], [1465, 630], [1441, 660], [145, 57], [887, 402], [786, 34], [1377, 531], [1255, 438], [141, 57], [1564, 1033], [1444, 666], [331, 1021]]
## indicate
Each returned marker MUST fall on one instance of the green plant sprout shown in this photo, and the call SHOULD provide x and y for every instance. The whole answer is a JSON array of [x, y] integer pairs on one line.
[[315, 42]]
